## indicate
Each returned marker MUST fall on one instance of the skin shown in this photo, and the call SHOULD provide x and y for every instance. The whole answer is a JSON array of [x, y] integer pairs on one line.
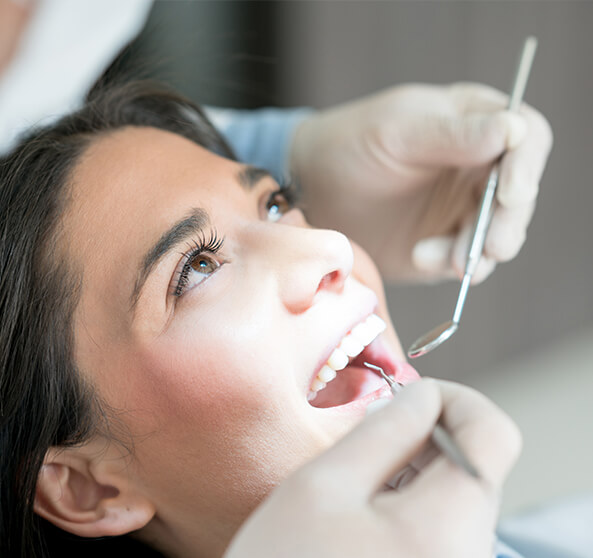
[[211, 385], [14, 17]]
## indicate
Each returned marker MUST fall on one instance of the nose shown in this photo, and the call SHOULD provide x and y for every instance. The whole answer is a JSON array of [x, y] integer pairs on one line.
[[315, 262]]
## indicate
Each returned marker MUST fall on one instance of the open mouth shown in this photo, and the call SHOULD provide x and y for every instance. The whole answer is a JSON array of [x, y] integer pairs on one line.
[[344, 378]]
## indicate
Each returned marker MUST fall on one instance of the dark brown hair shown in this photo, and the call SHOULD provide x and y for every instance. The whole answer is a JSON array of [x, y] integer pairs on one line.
[[44, 401]]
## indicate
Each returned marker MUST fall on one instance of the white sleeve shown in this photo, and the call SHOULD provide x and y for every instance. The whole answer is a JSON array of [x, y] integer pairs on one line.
[[65, 48]]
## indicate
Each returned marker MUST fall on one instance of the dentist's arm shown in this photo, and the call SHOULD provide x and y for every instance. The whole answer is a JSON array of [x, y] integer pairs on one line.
[[336, 507]]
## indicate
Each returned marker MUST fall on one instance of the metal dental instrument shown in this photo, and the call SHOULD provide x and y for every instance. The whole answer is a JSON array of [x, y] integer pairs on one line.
[[439, 437], [441, 333]]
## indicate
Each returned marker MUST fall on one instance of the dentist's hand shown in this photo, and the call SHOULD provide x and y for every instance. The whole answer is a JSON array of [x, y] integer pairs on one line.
[[402, 172], [336, 507]]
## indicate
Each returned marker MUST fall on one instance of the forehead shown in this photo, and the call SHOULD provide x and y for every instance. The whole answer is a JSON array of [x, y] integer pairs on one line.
[[119, 165], [128, 187]]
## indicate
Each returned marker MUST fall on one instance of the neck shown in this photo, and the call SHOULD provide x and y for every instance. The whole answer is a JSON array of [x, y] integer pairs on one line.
[[190, 539]]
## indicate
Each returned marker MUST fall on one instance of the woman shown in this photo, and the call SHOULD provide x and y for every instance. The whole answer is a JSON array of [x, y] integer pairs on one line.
[[176, 340]]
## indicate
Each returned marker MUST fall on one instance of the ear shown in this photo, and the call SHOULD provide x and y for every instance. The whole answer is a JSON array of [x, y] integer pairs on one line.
[[90, 491]]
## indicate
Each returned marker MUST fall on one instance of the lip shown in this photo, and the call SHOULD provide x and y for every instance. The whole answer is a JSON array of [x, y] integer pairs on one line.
[[358, 406], [336, 341]]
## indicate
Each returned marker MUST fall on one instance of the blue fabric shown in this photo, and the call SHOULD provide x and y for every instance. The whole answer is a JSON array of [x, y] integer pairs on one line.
[[501, 550], [260, 137], [538, 549], [563, 529]]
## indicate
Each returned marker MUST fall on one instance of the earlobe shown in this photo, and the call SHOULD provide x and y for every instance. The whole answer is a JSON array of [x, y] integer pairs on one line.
[[89, 497]]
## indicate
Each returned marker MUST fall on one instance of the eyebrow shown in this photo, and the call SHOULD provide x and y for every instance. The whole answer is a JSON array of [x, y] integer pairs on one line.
[[194, 224]]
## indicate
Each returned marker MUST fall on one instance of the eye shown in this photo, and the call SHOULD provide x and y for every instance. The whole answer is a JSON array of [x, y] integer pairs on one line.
[[198, 264], [282, 200], [195, 270], [277, 206], [204, 265]]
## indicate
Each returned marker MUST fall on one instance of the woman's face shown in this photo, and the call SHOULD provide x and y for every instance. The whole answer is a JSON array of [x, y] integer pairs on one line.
[[207, 310]]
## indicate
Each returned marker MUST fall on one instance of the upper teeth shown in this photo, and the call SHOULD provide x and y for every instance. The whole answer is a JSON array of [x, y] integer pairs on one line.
[[351, 346]]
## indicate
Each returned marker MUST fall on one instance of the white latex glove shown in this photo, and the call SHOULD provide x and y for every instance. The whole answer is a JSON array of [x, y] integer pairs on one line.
[[402, 172], [336, 506]]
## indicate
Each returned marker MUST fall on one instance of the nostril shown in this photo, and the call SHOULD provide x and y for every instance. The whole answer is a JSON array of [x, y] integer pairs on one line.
[[331, 281], [318, 263]]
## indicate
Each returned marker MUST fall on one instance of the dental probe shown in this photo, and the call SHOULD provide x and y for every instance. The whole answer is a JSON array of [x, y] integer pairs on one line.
[[439, 437], [441, 333]]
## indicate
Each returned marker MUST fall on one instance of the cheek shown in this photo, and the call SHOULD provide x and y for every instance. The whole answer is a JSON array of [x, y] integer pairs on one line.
[[192, 388], [210, 370], [208, 404], [365, 271]]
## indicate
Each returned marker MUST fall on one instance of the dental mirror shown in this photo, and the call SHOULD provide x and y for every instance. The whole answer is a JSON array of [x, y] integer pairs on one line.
[[432, 339], [440, 334]]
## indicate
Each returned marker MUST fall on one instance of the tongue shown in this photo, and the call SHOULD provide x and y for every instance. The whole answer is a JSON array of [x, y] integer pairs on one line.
[[354, 382]]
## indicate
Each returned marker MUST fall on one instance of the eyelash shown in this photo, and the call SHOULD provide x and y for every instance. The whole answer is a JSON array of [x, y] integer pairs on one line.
[[210, 245], [291, 190], [282, 200]]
